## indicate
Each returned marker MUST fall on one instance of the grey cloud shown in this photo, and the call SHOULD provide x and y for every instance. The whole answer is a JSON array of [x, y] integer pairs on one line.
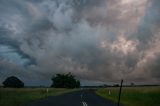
[[150, 22], [99, 41], [12, 43]]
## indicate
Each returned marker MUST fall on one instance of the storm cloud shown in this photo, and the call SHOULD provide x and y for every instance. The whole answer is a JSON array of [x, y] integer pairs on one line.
[[99, 41]]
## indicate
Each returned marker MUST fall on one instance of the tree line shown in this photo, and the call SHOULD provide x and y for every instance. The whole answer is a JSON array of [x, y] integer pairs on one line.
[[58, 81]]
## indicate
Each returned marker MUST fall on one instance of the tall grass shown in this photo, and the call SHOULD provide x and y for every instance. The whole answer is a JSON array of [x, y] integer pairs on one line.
[[133, 96], [19, 97]]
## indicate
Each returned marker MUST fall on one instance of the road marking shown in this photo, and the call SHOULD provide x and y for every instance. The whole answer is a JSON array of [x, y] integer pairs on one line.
[[84, 103]]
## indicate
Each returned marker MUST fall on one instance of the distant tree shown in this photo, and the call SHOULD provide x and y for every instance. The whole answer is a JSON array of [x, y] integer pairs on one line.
[[116, 85], [13, 82], [65, 81]]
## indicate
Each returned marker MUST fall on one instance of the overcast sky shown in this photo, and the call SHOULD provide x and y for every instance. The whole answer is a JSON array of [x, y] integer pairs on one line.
[[99, 41]]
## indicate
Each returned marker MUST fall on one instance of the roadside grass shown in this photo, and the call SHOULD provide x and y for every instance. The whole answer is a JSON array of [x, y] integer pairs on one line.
[[21, 96], [133, 96]]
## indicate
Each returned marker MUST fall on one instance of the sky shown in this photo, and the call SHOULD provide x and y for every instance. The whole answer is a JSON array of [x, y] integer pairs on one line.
[[98, 41]]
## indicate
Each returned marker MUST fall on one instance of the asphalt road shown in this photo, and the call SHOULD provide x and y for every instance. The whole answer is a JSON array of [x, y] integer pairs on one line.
[[79, 98]]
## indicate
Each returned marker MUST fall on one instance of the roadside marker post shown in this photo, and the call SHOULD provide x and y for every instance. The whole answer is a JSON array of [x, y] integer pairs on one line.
[[47, 90], [109, 92], [120, 92]]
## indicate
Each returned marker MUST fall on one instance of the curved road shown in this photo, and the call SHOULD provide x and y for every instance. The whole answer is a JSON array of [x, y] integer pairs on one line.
[[79, 98]]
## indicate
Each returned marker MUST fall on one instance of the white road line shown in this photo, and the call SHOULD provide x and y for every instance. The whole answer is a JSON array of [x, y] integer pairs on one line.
[[84, 103]]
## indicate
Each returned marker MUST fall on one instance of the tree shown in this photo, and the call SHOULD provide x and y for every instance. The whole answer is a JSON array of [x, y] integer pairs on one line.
[[13, 82], [65, 81]]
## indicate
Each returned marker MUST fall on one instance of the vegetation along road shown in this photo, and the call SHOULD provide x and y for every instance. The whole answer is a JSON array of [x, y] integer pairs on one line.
[[133, 96], [22, 96]]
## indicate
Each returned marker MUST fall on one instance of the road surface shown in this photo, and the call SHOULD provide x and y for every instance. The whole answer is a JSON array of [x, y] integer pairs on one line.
[[79, 98]]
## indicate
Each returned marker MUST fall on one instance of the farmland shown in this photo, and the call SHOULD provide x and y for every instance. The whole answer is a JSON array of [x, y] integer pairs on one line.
[[21, 96], [133, 96]]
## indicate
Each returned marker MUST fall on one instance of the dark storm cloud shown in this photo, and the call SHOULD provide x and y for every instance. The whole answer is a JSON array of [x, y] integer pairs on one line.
[[6, 40], [148, 36], [151, 22], [96, 40]]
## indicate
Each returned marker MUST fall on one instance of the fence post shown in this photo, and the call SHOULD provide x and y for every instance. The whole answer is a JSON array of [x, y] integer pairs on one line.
[[120, 92]]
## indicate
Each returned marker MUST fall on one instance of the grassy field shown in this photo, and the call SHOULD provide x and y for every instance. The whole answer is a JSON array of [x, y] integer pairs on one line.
[[19, 97], [133, 96]]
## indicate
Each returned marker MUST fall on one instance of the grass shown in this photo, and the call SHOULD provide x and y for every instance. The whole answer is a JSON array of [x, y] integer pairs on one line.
[[133, 96], [19, 97]]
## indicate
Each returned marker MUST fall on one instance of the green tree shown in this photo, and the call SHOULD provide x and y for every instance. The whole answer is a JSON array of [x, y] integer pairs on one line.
[[65, 81], [13, 82]]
